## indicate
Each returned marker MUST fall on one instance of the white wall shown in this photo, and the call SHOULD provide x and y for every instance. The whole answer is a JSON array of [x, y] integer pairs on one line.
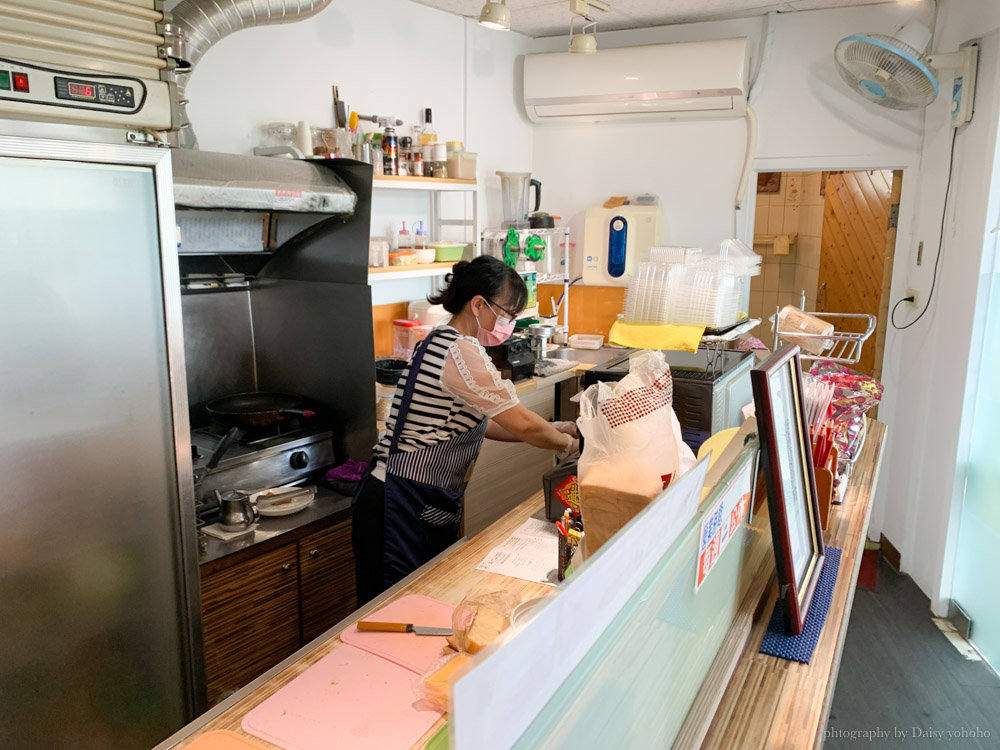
[[931, 366], [810, 120], [389, 57]]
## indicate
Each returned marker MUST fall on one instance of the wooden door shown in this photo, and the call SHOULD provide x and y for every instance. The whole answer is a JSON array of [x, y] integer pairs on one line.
[[328, 590], [857, 250], [250, 617]]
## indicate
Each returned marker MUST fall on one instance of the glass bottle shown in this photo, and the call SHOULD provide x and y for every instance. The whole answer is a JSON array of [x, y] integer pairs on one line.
[[428, 134]]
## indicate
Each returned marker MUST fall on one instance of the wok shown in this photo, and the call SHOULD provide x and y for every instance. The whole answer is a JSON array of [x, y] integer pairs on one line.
[[246, 411]]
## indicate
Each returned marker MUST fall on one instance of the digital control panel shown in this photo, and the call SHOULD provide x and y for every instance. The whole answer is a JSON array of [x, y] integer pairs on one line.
[[35, 91], [93, 91]]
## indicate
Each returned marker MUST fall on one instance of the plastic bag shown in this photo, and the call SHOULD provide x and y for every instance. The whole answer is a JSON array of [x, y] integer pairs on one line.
[[478, 620], [854, 394], [632, 446], [435, 684]]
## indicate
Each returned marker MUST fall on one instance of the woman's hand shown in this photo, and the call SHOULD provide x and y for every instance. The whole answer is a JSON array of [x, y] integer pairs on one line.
[[530, 428], [567, 428]]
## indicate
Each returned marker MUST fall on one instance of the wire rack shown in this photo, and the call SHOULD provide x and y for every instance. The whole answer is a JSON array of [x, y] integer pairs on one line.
[[843, 347]]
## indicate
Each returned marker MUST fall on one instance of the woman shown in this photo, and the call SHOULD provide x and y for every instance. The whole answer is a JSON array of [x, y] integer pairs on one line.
[[409, 506]]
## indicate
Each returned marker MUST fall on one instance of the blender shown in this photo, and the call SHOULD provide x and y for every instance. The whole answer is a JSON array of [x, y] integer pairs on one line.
[[514, 187]]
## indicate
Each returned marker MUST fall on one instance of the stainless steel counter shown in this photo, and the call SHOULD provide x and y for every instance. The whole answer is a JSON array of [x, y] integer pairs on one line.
[[326, 503]]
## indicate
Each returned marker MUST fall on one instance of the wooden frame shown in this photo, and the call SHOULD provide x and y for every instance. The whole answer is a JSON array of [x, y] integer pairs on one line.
[[791, 483]]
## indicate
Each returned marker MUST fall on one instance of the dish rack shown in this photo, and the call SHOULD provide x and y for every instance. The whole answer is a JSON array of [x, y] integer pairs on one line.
[[843, 347]]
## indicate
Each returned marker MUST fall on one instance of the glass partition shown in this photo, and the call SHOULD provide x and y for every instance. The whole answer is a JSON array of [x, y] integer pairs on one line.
[[636, 685]]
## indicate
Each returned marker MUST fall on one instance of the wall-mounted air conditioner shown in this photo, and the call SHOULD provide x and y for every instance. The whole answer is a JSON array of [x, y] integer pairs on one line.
[[654, 82]]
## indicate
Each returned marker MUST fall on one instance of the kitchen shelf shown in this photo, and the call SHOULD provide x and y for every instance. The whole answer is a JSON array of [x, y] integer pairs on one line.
[[390, 273], [408, 182]]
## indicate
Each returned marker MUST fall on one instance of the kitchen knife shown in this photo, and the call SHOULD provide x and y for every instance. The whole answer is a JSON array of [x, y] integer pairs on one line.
[[399, 627]]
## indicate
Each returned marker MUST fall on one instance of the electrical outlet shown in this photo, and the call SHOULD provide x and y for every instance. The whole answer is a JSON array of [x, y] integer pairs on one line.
[[916, 297]]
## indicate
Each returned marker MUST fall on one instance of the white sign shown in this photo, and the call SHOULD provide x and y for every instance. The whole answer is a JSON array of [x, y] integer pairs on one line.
[[720, 523]]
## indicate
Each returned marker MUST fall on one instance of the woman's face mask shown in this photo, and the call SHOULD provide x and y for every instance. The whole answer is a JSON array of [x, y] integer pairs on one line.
[[502, 329]]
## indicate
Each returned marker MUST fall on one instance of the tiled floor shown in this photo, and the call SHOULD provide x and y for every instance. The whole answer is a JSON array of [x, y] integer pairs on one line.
[[902, 682]]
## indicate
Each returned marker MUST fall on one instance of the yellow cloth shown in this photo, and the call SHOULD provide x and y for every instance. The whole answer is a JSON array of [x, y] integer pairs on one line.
[[654, 336]]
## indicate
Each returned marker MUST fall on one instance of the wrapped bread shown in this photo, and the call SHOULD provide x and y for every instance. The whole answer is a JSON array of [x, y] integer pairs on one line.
[[437, 681], [476, 622], [792, 319], [611, 496]]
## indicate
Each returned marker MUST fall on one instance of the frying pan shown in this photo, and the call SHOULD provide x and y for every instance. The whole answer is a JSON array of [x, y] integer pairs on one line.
[[247, 411]]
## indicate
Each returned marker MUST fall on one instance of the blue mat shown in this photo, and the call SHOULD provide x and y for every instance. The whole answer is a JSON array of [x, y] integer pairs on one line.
[[800, 647]]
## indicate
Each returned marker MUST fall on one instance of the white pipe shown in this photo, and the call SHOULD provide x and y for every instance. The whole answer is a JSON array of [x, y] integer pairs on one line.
[[749, 157]]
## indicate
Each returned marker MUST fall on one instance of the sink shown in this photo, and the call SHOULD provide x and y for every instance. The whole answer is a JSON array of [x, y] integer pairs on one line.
[[588, 356]]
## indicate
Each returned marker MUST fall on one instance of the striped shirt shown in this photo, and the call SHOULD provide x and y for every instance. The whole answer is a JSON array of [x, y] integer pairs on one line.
[[456, 388]]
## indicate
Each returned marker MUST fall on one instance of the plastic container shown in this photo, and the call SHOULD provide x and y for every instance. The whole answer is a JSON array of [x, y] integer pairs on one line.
[[403, 259], [586, 341], [428, 314], [462, 165], [378, 252], [420, 239], [402, 339], [448, 252], [405, 239], [426, 255]]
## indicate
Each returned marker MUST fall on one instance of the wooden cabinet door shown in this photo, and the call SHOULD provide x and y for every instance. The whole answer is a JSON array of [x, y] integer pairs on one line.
[[250, 617], [327, 570]]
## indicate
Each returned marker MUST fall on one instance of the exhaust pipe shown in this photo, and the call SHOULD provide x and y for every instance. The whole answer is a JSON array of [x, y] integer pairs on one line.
[[198, 24]]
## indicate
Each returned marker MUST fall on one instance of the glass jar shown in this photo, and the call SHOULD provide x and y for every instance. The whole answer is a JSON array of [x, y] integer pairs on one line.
[[278, 134]]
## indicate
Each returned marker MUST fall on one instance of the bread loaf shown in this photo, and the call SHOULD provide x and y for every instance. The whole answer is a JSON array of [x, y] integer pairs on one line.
[[486, 626], [792, 319], [611, 496]]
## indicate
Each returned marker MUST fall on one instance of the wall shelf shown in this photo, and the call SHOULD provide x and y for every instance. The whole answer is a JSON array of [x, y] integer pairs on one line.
[[407, 182], [423, 270]]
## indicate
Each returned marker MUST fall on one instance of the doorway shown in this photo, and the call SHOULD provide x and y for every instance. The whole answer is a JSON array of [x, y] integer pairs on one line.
[[827, 237]]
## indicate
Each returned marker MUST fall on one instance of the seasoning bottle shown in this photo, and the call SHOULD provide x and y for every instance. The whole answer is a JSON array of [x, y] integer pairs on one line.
[[418, 164], [428, 134], [390, 152], [405, 239], [420, 241]]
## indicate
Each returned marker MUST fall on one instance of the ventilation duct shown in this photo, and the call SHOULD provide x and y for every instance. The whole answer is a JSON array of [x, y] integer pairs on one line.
[[198, 24]]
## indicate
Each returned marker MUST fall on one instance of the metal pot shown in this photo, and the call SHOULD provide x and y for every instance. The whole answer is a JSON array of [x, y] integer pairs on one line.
[[238, 511]]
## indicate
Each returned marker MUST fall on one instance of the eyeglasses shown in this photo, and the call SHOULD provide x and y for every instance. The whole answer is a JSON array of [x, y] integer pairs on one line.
[[510, 315]]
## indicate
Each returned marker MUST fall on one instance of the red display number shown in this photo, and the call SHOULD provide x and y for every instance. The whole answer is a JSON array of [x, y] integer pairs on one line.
[[81, 91]]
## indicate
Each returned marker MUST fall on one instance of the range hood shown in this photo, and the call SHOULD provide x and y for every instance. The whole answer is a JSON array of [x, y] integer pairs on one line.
[[203, 179]]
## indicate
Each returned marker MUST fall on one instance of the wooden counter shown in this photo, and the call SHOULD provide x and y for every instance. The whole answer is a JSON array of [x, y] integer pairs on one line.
[[450, 579], [766, 702], [772, 703]]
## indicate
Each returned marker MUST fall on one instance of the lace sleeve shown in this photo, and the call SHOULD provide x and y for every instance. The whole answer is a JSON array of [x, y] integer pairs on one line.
[[469, 376]]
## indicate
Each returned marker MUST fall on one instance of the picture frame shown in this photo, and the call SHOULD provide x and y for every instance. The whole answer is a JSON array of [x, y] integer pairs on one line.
[[792, 500]]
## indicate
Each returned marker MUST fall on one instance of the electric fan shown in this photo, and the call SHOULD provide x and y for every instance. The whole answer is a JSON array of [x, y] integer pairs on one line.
[[894, 72]]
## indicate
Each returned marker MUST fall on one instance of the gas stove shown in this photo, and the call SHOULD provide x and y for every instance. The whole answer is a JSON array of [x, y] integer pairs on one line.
[[262, 459]]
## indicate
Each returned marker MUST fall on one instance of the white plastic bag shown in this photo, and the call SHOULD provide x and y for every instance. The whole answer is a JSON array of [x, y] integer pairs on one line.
[[632, 445]]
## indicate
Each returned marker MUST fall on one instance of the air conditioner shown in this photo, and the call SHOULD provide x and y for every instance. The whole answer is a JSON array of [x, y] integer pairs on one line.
[[654, 82]]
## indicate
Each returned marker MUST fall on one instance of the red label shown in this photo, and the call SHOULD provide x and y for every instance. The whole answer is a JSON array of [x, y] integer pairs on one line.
[[569, 491]]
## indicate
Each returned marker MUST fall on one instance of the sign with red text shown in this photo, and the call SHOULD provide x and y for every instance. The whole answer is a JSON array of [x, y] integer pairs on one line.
[[720, 523]]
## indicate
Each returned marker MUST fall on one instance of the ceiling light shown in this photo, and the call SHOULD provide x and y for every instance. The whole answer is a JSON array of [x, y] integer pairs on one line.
[[583, 43], [495, 16]]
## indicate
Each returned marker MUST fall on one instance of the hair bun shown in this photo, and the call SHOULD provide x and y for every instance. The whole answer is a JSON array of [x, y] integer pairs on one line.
[[458, 268]]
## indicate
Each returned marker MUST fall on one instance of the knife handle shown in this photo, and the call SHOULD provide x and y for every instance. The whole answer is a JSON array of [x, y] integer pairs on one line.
[[389, 627]]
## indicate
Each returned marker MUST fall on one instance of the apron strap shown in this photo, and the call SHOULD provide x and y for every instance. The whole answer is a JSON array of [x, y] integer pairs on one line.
[[408, 389]]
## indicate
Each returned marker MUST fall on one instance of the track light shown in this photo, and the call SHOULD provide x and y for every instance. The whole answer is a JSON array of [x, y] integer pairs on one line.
[[495, 16], [583, 43]]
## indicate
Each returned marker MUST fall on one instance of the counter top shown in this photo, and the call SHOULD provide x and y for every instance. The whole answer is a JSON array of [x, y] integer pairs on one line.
[[766, 703], [774, 703], [450, 577], [325, 504]]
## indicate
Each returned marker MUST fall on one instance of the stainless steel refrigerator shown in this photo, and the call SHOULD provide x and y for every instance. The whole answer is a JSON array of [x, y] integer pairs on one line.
[[99, 618]]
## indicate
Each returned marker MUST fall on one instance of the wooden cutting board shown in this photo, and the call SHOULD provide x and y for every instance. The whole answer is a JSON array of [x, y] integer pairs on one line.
[[223, 740]]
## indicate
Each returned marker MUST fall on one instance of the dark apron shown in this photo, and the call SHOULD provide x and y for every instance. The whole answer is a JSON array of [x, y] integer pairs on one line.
[[424, 490]]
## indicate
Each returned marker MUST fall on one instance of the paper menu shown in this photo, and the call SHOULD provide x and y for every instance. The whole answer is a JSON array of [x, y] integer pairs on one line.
[[531, 553]]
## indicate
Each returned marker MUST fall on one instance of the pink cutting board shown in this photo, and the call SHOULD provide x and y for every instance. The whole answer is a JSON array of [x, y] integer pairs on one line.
[[349, 700], [415, 652]]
